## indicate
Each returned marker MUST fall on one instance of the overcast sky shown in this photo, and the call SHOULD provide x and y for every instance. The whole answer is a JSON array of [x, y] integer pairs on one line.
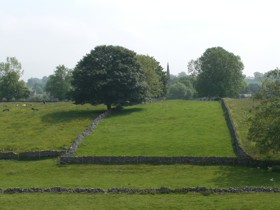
[[43, 34]]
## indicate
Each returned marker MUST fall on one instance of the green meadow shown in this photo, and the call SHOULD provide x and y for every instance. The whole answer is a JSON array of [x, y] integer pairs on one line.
[[53, 127], [193, 201], [164, 128], [170, 128], [47, 173], [241, 111]]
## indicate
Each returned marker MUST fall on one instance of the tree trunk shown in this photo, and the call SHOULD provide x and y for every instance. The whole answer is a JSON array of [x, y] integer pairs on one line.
[[109, 106]]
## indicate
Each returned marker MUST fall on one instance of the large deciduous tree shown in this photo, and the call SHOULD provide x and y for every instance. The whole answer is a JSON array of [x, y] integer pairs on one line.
[[10, 84], [154, 76], [59, 84], [265, 124], [110, 75], [219, 73]]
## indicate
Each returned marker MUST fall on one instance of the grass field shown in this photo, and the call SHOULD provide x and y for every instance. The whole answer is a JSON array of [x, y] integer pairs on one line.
[[193, 201], [53, 127], [161, 128], [47, 173], [170, 128], [241, 111]]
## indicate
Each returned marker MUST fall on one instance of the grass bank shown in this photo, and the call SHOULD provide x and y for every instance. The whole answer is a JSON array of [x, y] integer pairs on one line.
[[241, 111], [170, 128], [192, 201], [53, 127], [47, 173]]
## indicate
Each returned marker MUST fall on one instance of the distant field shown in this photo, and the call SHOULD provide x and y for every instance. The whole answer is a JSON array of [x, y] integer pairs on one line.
[[54, 126], [47, 173], [193, 201], [170, 128], [241, 111]]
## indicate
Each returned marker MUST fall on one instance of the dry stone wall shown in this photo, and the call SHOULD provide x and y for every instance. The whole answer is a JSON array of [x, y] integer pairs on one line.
[[161, 190], [86, 132], [33, 155], [241, 154], [242, 157], [36, 155]]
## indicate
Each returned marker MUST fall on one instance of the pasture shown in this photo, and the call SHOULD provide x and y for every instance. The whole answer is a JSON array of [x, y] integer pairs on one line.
[[241, 111], [167, 128], [52, 127], [47, 173], [193, 201], [164, 128]]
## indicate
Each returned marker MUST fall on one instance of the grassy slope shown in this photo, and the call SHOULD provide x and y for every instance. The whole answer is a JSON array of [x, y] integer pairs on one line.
[[241, 110], [170, 128], [192, 201], [46, 173], [54, 126]]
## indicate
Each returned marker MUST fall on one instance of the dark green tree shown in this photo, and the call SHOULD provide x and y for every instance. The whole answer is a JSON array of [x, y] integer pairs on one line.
[[110, 75], [265, 124], [59, 84], [219, 73], [154, 76], [10, 84]]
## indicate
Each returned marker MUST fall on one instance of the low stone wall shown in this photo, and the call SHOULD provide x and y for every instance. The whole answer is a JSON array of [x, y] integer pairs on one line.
[[36, 155], [242, 157], [33, 155], [241, 154], [163, 160], [161, 190], [148, 160], [86, 132]]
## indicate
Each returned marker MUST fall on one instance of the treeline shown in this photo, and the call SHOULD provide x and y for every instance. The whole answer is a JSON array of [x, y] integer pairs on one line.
[[111, 72]]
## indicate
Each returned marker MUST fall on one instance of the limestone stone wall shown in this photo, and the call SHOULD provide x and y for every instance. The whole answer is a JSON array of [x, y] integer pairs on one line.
[[161, 190]]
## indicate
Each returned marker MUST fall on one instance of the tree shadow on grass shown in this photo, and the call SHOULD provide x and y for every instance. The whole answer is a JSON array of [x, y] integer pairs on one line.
[[124, 112], [245, 176], [67, 116]]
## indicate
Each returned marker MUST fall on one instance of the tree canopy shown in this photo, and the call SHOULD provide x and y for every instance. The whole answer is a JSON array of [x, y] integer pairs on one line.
[[59, 84], [219, 73], [10, 84], [154, 76], [265, 124], [110, 75]]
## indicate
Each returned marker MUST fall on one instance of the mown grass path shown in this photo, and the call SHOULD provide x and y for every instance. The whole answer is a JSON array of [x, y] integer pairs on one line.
[[164, 128]]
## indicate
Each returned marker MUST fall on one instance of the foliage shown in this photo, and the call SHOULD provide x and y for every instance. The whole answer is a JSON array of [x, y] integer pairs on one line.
[[37, 85], [252, 88], [265, 125], [11, 65], [171, 128], [10, 85], [179, 90], [109, 75], [194, 67], [270, 85], [181, 86], [59, 84], [219, 73], [53, 127], [154, 76], [243, 112]]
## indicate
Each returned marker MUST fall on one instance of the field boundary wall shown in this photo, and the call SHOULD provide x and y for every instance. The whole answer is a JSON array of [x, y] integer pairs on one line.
[[161, 190]]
